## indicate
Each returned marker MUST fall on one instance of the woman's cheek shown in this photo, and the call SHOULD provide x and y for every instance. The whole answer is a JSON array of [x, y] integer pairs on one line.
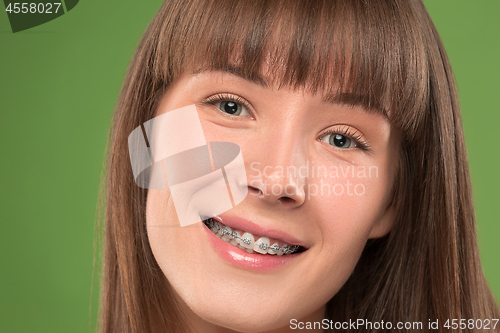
[[165, 235], [348, 208]]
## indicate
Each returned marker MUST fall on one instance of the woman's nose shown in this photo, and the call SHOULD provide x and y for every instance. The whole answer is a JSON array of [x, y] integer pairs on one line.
[[278, 189], [278, 172]]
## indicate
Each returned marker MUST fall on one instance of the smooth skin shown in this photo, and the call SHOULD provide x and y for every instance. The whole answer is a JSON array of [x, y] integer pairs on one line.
[[278, 128]]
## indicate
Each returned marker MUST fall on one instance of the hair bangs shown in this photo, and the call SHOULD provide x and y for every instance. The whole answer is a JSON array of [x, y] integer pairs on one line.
[[368, 54]]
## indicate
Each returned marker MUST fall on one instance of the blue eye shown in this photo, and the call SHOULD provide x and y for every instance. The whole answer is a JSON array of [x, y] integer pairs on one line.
[[339, 141], [345, 137], [232, 108], [230, 104]]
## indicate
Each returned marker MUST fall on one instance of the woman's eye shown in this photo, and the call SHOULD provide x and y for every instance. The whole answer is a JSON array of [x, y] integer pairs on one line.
[[232, 108], [339, 141]]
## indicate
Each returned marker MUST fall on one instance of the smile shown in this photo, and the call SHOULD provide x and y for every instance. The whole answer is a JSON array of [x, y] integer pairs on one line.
[[247, 241]]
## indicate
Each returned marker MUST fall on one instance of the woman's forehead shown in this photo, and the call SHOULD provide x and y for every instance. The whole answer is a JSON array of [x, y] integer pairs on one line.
[[361, 53]]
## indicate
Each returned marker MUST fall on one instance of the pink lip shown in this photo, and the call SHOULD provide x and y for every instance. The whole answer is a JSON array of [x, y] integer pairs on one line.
[[241, 224], [254, 261]]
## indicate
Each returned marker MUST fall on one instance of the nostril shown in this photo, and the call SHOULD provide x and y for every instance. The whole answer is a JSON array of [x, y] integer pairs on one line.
[[285, 200], [254, 190]]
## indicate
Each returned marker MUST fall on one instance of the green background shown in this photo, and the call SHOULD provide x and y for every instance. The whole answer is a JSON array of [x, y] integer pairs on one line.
[[59, 83]]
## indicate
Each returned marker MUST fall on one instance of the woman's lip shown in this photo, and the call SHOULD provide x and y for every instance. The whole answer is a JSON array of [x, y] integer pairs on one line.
[[239, 223], [253, 261]]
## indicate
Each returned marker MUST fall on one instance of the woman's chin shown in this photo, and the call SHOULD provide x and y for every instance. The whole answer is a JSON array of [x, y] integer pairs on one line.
[[250, 315], [244, 319], [243, 309]]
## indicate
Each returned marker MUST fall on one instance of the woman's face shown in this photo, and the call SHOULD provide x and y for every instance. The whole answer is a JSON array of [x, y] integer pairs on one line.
[[320, 175]]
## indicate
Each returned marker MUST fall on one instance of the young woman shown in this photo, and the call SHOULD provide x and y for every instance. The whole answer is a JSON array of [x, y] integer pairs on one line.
[[380, 227]]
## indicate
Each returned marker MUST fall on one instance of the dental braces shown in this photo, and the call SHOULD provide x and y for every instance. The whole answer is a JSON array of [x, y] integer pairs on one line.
[[234, 235]]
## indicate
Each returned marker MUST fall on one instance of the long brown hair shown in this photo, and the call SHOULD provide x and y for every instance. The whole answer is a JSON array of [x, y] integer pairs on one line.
[[388, 56]]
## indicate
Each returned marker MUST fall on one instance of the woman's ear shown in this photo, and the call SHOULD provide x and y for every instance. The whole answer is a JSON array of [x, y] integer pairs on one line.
[[384, 224]]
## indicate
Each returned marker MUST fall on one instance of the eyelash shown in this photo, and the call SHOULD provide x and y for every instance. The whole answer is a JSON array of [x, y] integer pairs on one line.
[[357, 137], [227, 97]]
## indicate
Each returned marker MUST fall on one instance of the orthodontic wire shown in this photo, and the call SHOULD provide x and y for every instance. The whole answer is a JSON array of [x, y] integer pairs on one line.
[[218, 226]]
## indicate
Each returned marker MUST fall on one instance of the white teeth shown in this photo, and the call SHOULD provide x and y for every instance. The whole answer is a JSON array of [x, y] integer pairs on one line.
[[238, 236], [247, 240], [275, 245], [225, 232], [257, 247], [219, 229], [280, 252]]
